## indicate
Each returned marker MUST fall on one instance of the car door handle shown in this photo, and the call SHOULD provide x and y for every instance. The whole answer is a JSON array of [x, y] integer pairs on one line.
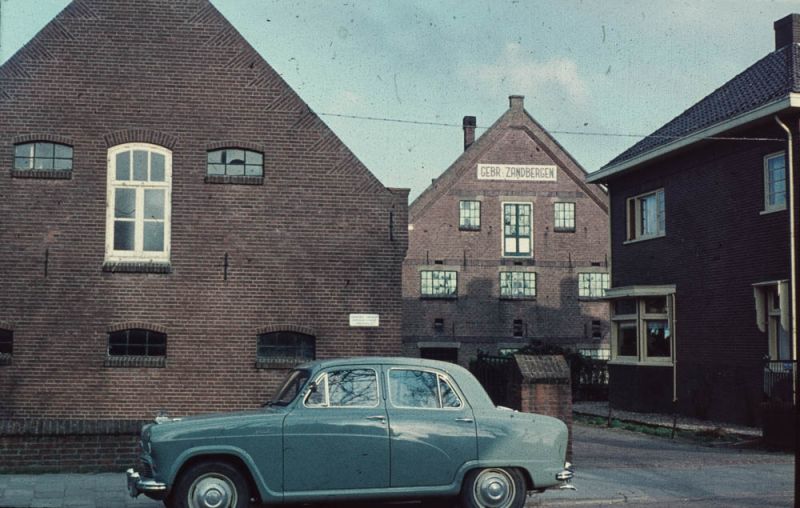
[[465, 420], [377, 417]]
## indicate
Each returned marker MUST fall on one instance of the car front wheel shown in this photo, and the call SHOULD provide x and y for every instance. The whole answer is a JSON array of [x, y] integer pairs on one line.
[[493, 488], [211, 485]]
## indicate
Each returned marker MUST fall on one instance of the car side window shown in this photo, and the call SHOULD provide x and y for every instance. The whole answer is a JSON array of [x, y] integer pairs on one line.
[[421, 389], [345, 388]]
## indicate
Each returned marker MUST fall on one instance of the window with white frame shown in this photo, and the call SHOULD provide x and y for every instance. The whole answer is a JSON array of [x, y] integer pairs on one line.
[[775, 182], [646, 216], [517, 285], [439, 283], [469, 215], [42, 156], [592, 285], [517, 229], [773, 310], [139, 202], [642, 329], [564, 215]]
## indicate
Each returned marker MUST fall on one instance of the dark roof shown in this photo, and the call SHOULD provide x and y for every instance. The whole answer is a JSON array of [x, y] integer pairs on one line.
[[769, 79]]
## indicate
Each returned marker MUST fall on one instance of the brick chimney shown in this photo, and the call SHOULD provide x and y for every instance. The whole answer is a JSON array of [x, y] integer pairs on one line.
[[516, 102], [469, 131], [787, 31]]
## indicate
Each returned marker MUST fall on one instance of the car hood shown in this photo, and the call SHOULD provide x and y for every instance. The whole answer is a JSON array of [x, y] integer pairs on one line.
[[253, 422]]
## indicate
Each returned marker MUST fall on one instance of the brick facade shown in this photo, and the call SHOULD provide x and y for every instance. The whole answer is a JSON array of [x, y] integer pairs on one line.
[[478, 318], [315, 239], [718, 243]]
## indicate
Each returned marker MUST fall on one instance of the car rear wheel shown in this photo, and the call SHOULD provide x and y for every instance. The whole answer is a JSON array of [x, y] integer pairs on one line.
[[211, 485], [493, 488]]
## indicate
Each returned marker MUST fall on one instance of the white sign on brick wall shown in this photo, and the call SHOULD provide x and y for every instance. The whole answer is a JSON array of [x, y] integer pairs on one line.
[[517, 172], [365, 320]]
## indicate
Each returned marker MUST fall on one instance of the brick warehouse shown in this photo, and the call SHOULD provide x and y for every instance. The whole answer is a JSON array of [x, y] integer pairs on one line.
[[701, 267], [178, 229], [507, 247]]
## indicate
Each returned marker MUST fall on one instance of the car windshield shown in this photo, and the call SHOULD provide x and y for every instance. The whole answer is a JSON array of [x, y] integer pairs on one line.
[[294, 383]]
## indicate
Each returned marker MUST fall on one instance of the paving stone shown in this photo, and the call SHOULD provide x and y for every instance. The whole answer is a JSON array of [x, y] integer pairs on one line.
[[57, 502]]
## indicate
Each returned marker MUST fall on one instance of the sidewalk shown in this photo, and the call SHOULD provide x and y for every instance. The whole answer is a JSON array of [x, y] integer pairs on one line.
[[102, 490], [662, 420]]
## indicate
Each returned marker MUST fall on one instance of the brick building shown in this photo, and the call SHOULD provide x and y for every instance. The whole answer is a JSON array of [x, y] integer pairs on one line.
[[178, 227], [507, 247], [701, 292]]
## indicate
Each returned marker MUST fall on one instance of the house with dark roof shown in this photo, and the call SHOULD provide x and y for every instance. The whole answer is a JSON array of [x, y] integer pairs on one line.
[[507, 247], [703, 268], [179, 230]]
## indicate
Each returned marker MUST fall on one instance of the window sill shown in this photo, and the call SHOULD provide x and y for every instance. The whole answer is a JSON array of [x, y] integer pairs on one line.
[[42, 174], [644, 239], [235, 180], [563, 230], [136, 267], [638, 363], [5, 359], [772, 210], [268, 363], [469, 230], [591, 298], [136, 361], [430, 297]]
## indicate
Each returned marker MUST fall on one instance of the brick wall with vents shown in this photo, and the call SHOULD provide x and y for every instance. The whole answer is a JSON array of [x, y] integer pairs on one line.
[[317, 239]]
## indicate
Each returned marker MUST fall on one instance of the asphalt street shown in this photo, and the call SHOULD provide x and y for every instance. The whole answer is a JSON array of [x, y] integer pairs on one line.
[[612, 467]]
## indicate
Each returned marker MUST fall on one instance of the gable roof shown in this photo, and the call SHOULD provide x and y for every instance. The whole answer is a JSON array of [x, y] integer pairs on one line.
[[520, 120], [767, 82]]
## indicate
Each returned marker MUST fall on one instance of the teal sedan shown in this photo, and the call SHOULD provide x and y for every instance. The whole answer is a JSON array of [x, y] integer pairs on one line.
[[354, 429]]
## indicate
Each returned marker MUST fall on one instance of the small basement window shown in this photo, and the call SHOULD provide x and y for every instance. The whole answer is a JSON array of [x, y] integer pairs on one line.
[[136, 347], [235, 162], [285, 349]]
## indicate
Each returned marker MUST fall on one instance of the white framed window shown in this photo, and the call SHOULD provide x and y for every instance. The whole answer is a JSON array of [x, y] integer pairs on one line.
[[564, 217], [646, 216], [139, 203], [642, 329], [439, 283], [773, 311], [592, 285], [517, 230], [469, 215], [518, 285], [775, 182]]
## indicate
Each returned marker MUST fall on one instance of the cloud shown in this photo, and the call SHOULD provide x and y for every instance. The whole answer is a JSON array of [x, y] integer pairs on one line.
[[517, 71]]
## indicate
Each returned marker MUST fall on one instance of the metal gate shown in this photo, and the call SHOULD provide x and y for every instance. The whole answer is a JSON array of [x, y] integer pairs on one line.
[[496, 374]]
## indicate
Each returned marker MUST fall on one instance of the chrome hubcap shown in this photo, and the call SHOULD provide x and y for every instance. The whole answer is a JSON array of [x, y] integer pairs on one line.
[[212, 490], [494, 488]]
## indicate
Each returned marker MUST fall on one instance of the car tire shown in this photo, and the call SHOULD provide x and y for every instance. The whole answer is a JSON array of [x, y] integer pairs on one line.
[[493, 487], [210, 484]]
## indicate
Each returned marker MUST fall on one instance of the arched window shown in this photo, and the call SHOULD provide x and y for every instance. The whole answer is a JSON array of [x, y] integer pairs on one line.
[[42, 156], [235, 162], [139, 203], [285, 348], [137, 342]]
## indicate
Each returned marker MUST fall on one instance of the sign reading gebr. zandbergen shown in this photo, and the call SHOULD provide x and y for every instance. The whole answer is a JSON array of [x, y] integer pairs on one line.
[[364, 320], [517, 172]]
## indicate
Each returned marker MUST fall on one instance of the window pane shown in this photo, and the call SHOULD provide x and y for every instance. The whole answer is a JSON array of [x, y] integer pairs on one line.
[[42, 163], [25, 150], [23, 163], [658, 339], [414, 388], [216, 169], [254, 158], [655, 305], [63, 152], [125, 203], [156, 167], [624, 307], [235, 169], [626, 339], [234, 156], [140, 165], [62, 164], [215, 157], [44, 150], [154, 236], [123, 235], [353, 388], [123, 166], [153, 204], [449, 397], [253, 170]]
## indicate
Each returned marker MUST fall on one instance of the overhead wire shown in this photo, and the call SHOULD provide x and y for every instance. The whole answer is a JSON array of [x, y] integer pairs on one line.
[[566, 132]]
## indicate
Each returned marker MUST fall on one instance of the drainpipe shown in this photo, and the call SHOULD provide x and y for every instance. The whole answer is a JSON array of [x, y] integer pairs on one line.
[[792, 253]]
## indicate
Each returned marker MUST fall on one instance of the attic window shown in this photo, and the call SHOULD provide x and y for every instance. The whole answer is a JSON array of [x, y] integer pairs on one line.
[[235, 162], [42, 159]]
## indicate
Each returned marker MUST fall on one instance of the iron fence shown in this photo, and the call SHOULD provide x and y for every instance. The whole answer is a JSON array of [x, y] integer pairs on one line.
[[779, 380]]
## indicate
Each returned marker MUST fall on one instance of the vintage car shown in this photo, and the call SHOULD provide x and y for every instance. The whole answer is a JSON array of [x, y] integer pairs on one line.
[[356, 428]]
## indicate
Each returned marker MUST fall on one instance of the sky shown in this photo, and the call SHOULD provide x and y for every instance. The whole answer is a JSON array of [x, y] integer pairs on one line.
[[595, 73]]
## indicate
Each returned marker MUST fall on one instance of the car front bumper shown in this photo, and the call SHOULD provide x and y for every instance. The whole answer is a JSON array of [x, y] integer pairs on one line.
[[147, 486]]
